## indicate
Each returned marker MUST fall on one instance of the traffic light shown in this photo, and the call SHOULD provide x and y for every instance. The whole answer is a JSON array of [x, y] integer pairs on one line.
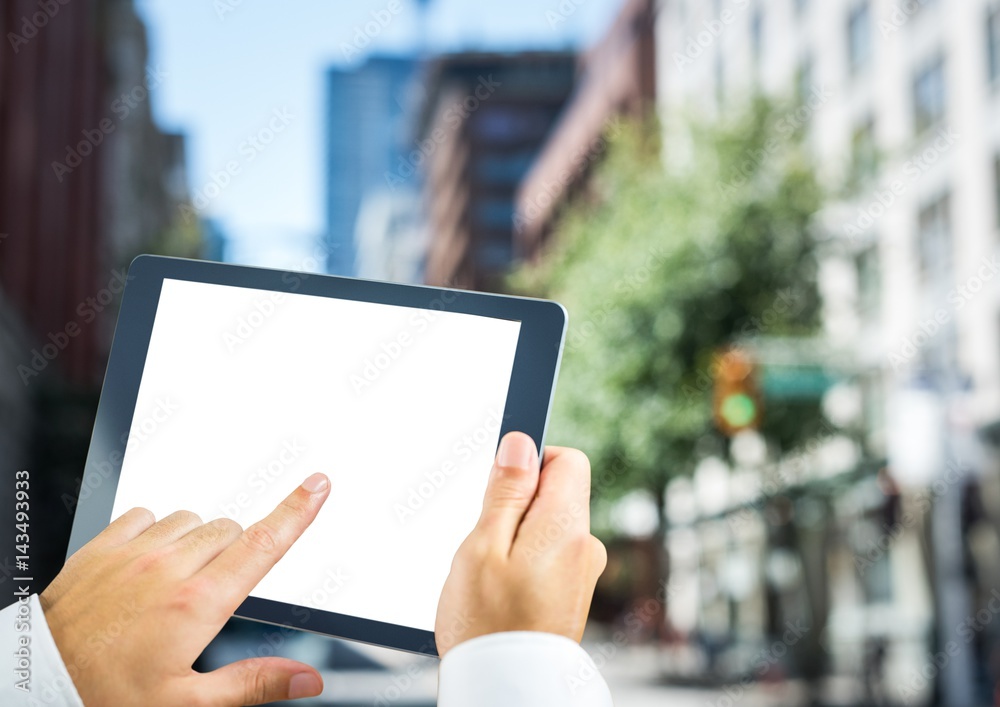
[[736, 401]]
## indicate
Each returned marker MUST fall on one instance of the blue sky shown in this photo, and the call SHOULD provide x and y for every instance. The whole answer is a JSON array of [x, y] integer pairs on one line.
[[230, 64]]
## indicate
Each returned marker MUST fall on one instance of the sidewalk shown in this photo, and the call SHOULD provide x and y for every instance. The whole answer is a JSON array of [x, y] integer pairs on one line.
[[633, 675]]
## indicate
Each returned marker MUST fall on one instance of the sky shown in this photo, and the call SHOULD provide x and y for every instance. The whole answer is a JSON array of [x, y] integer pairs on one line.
[[242, 72]]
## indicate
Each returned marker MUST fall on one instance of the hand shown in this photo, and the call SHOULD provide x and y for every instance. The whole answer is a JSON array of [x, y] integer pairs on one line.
[[531, 563], [132, 610]]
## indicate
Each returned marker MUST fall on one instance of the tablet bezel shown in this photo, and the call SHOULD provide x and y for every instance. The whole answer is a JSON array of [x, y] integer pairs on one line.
[[529, 397]]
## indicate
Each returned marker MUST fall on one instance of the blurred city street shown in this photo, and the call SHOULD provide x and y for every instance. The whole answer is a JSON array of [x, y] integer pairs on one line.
[[775, 226]]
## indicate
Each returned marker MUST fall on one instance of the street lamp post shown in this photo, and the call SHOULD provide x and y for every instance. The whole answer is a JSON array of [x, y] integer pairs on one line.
[[921, 446]]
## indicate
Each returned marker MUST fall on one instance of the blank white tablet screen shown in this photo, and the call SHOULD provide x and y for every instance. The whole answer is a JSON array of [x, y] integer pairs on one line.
[[247, 392]]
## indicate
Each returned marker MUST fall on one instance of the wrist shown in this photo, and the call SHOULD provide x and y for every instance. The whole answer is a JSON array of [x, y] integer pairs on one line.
[[515, 637]]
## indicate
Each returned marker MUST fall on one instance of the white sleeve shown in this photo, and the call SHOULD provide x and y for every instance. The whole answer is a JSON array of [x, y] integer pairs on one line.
[[521, 668], [31, 670]]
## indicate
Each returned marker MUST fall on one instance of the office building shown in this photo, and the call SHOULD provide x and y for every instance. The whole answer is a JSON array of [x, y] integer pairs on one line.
[[367, 140], [900, 104], [617, 83], [484, 118], [87, 182]]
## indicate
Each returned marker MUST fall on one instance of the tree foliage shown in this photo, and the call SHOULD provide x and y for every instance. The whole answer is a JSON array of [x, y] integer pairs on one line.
[[674, 259]]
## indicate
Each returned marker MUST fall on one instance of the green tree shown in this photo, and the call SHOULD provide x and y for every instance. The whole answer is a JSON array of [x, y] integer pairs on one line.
[[674, 259]]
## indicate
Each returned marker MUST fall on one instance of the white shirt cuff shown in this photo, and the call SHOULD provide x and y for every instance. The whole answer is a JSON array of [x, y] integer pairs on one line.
[[32, 672], [523, 668]]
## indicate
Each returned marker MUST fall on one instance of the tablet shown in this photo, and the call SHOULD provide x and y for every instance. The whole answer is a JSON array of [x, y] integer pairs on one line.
[[227, 386]]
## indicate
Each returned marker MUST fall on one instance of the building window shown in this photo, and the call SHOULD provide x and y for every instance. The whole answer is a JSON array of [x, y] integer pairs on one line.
[[869, 283], [859, 36], [929, 96], [804, 80], [934, 239], [877, 579], [996, 187], [864, 152], [757, 35], [720, 77], [494, 252], [993, 44], [493, 214], [505, 169]]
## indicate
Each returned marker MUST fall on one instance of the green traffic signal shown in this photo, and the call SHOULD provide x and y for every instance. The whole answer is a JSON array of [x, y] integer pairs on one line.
[[738, 410]]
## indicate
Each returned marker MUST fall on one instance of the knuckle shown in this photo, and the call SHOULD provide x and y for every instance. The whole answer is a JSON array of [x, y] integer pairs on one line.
[[223, 529], [190, 516], [260, 537], [184, 518], [514, 471], [578, 460], [512, 486], [255, 685], [153, 560], [143, 515], [297, 504], [476, 548], [600, 553], [580, 543], [191, 593]]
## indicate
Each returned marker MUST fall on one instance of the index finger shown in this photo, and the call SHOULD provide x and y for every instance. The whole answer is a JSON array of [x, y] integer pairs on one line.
[[563, 497], [238, 568]]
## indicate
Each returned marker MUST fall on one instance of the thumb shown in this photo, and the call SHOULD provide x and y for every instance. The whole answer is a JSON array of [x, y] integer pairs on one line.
[[258, 680], [511, 489]]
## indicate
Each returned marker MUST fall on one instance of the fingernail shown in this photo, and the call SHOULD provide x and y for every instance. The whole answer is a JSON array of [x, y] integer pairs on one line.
[[304, 684], [316, 483], [516, 451]]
